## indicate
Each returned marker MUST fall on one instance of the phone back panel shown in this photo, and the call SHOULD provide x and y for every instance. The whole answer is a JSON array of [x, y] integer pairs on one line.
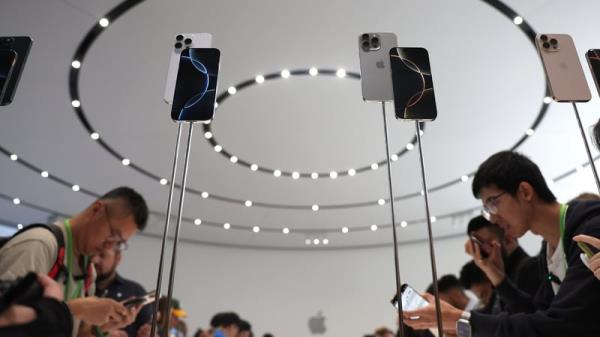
[[593, 58], [563, 69], [414, 97], [375, 71]]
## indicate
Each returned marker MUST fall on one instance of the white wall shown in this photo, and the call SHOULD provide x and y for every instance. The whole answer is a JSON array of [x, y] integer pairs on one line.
[[277, 291]]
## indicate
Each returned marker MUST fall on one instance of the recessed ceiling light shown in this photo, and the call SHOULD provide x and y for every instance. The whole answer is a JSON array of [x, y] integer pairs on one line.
[[232, 90], [125, 162], [218, 148], [163, 181], [277, 173], [314, 175], [403, 224], [341, 73], [14, 157], [204, 195], [374, 166], [16, 201], [547, 99], [530, 132], [76, 64], [44, 174], [381, 202], [254, 167], [518, 20], [433, 219], [76, 103], [410, 146], [94, 135], [315, 207], [394, 157], [307, 242], [286, 230], [248, 203], [285, 73], [226, 225], [256, 229], [75, 188], [295, 175], [373, 228], [464, 178], [351, 172], [19, 226], [197, 222], [233, 159], [344, 230], [316, 241], [325, 241], [313, 71], [208, 135], [260, 79], [333, 174], [104, 22]]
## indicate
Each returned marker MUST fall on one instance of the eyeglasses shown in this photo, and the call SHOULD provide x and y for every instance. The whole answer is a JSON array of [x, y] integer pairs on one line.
[[115, 237], [490, 206]]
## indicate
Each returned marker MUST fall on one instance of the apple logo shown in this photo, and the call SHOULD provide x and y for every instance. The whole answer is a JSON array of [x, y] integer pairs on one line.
[[316, 324], [380, 64]]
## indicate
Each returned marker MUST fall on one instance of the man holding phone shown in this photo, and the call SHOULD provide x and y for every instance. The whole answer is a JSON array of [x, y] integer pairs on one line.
[[112, 285], [517, 197]]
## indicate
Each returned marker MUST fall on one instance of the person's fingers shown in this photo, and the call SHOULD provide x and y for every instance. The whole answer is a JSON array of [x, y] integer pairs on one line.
[[51, 288], [594, 264], [590, 240], [469, 247], [597, 274], [429, 297], [477, 256]]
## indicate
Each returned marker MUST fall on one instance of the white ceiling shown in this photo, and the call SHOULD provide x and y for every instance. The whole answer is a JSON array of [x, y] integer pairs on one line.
[[488, 79]]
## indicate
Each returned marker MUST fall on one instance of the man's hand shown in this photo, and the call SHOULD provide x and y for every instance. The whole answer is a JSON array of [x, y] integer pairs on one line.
[[594, 261], [51, 288], [124, 321], [426, 318], [97, 311], [493, 265]]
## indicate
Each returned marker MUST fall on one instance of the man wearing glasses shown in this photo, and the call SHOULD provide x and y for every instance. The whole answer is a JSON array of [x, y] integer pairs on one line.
[[112, 285], [518, 199], [106, 224]]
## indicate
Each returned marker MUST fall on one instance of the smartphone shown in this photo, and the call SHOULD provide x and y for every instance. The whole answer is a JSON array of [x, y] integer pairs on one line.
[[21, 46], [141, 300], [196, 86], [563, 69], [182, 41], [8, 58], [593, 58], [476, 241], [375, 73], [586, 249], [411, 300], [412, 83]]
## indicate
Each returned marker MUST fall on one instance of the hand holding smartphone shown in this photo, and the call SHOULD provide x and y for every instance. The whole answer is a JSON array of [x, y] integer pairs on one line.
[[411, 300], [476, 242], [140, 301]]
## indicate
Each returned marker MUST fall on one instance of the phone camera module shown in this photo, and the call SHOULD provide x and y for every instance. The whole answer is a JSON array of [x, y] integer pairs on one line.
[[179, 37]]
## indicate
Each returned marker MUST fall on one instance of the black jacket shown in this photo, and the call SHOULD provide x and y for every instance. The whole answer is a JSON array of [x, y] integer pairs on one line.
[[575, 309]]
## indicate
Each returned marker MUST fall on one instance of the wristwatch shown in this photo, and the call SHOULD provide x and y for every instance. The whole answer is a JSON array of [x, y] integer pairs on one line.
[[463, 326]]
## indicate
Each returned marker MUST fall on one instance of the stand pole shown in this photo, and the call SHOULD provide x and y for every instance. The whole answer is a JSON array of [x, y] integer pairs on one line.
[[178, 227], [587, 147], [430, 233], [396, 260], [165, 232]]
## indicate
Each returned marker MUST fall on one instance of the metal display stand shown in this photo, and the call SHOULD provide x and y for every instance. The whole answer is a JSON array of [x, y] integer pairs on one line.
[[587, 146], [396, 259]]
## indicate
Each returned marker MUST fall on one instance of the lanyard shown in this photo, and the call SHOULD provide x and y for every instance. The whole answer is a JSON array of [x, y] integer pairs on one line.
[[79, 284], [563, 220]]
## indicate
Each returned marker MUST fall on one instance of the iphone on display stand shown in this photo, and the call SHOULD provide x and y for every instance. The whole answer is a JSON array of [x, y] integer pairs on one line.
[[375, 73], [593, 58], [20, 45], [183, 41], [563, 69]]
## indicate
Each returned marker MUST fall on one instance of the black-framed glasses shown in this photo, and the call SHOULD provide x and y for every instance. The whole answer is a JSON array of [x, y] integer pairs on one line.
[[115, 237], [490, 206]]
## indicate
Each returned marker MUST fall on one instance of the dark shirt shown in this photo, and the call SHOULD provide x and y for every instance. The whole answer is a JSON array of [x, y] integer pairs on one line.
[[524, 271], [574, 310], [121, 289], [53, 320]]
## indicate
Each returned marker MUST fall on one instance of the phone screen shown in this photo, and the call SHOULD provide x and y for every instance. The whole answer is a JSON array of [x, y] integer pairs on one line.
[[195, 90], [414, 98], [593, 57], [8, 59], [411, 300]]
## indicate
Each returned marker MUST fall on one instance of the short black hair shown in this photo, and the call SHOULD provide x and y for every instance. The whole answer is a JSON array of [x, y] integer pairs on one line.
[[198, 333], [134, 203], [245, 325], [225, 319], [480, 222], [471, 274], [446, 283], [506, 170]]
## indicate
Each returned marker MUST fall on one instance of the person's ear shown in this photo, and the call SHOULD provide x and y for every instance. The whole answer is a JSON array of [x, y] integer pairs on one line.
[[526, 191]]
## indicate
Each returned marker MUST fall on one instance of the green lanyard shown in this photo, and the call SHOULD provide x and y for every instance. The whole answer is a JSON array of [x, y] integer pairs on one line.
[[70, 257], [563, 220]]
